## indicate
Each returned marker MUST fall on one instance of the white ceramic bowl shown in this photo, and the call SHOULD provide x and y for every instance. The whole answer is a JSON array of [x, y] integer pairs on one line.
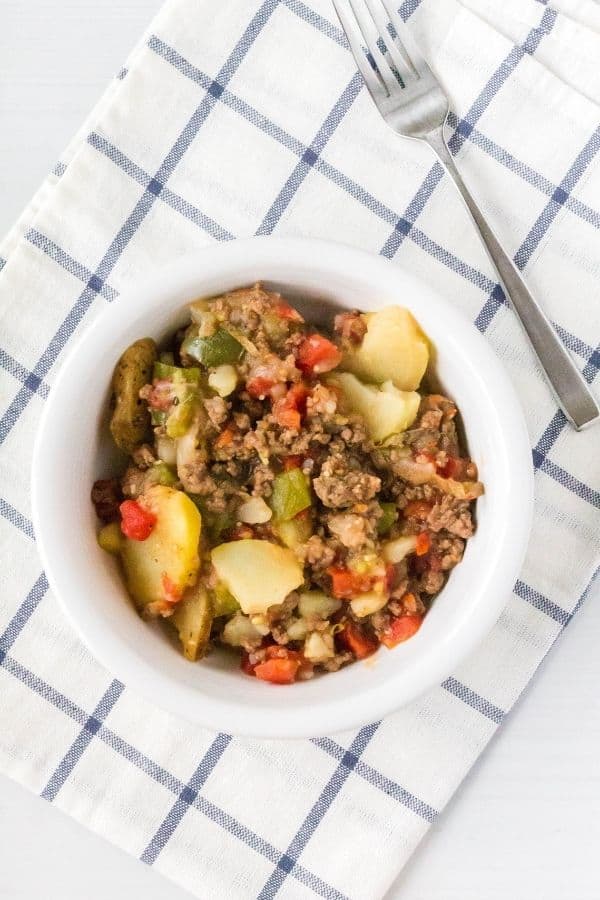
[[73, 449]]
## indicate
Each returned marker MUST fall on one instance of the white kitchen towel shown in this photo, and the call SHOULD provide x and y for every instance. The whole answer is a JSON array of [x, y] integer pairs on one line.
[[245, 117]]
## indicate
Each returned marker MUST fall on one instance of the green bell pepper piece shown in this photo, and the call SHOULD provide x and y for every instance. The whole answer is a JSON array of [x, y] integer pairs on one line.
[[214, 522], [216, 350], [178, 375], [225, 603], [163, 474], [390, 514], [181, 416], [291, 494], [185, 384], [295, 532], [277, 329]]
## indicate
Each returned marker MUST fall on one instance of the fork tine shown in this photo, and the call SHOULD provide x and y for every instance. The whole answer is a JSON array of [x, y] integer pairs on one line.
[[354, 37], [406, 40], [371, 36], [403, 66]]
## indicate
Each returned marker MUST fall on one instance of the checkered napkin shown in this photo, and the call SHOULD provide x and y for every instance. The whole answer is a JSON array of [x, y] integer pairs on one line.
[[248, 117]]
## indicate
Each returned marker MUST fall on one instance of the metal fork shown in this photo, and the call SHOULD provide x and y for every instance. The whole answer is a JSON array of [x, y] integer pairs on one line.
[[413, 103]]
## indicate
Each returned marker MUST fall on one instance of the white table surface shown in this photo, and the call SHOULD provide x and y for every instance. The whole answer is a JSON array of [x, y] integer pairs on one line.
[[525, 823]]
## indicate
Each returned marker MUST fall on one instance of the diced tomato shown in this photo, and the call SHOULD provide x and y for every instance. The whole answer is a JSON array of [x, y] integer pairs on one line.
[[417, 509], [357, 641], [342, 581], [447, 470], [401, 629], [225, 438], [292, 462], [346, 584], [286, 415], [316, 354], [171, 593], [276, 651], [298, 395], [245, 664], [278, 671], [456, 468], [423, 543], [285, 311], [259, 387], [136, 521], [161, 395], [288, 410]]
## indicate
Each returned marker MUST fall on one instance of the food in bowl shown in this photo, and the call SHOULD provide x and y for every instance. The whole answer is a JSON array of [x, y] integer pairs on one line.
[[297, 496]]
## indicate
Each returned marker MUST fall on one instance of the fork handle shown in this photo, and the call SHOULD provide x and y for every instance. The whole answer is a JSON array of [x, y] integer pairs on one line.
[[565, 379]]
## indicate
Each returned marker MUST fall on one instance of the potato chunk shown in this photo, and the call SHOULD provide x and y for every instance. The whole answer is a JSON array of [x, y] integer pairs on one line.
[[393, 349], [385, 409], [159, 569], [316, 603], [258, 574]]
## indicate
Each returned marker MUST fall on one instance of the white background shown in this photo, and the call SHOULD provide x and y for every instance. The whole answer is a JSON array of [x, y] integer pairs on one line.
[[526, 823]]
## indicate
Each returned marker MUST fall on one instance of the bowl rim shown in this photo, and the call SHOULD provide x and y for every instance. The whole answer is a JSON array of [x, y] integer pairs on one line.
[[370, 705]]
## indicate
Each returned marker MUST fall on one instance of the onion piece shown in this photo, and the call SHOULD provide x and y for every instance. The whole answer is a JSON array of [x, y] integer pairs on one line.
[[254, 511], [240, 632], [223, 380], [425, 473], [260, 623], [462, 490], [241, 338], [296, 631], [368, 603], [166, 450], [395, 551], [414, 472], [319, 646]]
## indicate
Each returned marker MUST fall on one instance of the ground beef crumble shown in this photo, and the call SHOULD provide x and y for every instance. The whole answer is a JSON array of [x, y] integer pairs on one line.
[[341, 482]]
